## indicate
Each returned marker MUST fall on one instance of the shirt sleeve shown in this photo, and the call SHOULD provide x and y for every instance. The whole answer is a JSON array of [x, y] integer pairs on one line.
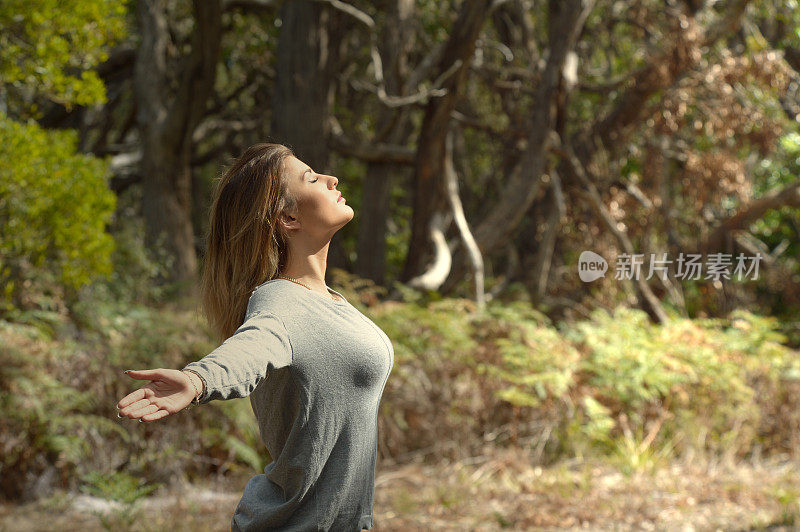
[[237, 367]]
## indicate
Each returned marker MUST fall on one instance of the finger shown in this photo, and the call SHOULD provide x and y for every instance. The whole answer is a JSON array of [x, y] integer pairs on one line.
[[155, 416], [144, 374], [148, 409], [133, 407], [131, 397]]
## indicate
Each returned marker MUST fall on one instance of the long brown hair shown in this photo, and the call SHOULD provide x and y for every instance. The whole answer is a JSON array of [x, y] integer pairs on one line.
[[245, 246]]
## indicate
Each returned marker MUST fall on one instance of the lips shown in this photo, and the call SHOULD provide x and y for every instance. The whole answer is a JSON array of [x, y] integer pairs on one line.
[[339, 198]]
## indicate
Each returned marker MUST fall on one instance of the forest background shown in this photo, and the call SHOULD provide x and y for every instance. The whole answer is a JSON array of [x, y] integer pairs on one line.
[[484, 146]]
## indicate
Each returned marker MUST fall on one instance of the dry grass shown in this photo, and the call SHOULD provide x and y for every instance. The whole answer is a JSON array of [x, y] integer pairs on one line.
[[497, 491], [504, 492]]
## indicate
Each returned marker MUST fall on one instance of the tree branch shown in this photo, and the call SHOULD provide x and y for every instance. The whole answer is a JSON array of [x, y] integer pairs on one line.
[[376, 153], [662, 70], [591, 193], [249, 5], [352, 11], [457, 210], [787, 196]]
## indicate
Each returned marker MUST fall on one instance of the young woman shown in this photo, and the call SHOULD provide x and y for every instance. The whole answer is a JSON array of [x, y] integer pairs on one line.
[[313, 365]]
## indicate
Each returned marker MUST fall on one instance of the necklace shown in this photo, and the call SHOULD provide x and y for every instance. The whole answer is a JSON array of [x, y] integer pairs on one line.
[[292, 279]]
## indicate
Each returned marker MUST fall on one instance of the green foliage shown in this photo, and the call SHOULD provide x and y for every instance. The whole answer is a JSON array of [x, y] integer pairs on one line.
[[615, 385], [632, 452], [54, 202], [537, 363], [54, 205], [789, 501], [121, 487], [437, 329], [117, 486], [627, 361], [61, 398], [48, 48], [627, 387], [702, 377], [780, 228], [134, 266], [245, 446], [55, 420], [599, 423]]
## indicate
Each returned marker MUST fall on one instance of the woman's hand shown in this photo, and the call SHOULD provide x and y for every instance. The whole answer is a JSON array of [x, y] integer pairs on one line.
[[169, 391]]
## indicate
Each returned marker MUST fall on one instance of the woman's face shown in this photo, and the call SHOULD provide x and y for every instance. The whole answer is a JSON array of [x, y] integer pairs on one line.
[[321, 210]]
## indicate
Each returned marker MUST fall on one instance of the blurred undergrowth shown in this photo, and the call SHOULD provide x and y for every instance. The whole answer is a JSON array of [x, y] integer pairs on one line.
[[613, 385]]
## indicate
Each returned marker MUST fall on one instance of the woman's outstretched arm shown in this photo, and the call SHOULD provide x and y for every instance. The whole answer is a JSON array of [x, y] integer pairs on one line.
[[235, 368], [169, 391], [232, 370]]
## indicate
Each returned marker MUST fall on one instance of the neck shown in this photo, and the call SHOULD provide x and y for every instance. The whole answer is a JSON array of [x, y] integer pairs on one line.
[[308, 265]]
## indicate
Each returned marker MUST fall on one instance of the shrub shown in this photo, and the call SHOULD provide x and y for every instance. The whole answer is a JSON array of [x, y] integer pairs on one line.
[[58, 410], [54, 206], [693, 383]]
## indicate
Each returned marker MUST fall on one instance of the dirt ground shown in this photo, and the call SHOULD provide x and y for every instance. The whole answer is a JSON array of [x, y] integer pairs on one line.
[[498, 492]]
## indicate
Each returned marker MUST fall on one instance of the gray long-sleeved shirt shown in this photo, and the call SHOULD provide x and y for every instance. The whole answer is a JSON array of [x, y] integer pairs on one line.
[[314, 369]]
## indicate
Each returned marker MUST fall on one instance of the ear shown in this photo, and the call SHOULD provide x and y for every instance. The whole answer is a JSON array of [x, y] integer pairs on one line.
[[288, 221]]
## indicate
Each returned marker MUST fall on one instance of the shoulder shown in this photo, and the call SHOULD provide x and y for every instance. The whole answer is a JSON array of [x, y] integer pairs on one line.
[[270, 297]]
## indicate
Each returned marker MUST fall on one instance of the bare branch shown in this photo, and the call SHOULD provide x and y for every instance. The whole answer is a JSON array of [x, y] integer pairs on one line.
[[521, 190], [544, 256], [426, 65], [420, 97], [380, 152], [786, 196], [591, 193], [457, 210], [474, 124], [352, 11], [727, 23], [220, 124], [436, 273], [249, 5]]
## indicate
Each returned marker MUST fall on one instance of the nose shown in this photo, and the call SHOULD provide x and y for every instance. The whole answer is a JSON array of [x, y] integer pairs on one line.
[[334, 181]]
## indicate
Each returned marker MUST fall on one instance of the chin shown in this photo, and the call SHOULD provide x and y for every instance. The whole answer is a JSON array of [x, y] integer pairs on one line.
[[345, 220]]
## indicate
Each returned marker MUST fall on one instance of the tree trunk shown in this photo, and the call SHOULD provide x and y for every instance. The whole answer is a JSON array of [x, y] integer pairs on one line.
[[375, 206], [496, 230], [540, 273], [166, 123], [429, 196], [521, 190], [300, 103], [372, 224], [302, 92]]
